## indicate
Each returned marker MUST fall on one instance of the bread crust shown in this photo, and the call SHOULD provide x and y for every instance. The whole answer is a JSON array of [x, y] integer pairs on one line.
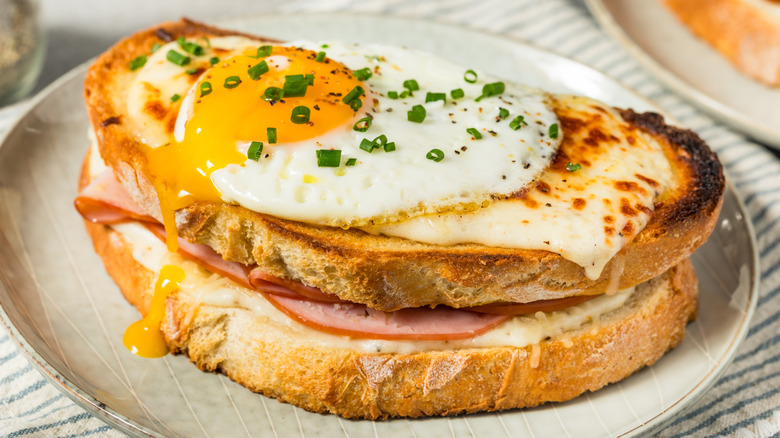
[[740, 30], [389, 273], [358, 385]]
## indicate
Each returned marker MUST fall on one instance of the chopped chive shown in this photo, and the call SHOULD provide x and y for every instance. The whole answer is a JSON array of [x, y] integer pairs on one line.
[[492, 89], [190, 47], [137, 63], [296, 85], [435, 155], [353, 94], [324, 46], [232, 82], [363, 74], [264, 51], [416, 114], [379, 142], [177, 58], [474, 133], [367, 145], [191, 71], [470, 76], [272, 93], [351, 162], [213, 60], [517, 123], [553, 130], [404, 94], [457, 93], [255, 150], [300, 115], [271, 134], [362, 125], [392, 94], [257, 70], [389, 147], [156, 47], [205, 89], [175, 97], [356, 104], [328, 157], [411, 85], [320, 57], [503, 113], [433, 97], [573, 167]]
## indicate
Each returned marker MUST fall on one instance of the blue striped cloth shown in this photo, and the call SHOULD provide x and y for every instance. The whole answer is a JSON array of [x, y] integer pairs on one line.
[[746, 400]]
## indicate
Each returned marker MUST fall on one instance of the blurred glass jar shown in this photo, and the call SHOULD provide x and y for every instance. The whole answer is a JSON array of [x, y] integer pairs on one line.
[[22, 47]]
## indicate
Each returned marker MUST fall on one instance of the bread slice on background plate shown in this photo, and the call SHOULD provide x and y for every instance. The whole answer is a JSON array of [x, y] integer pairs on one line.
[[747, 32]]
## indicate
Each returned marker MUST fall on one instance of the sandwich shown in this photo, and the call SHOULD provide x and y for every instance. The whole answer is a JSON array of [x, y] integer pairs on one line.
[[375, 232]]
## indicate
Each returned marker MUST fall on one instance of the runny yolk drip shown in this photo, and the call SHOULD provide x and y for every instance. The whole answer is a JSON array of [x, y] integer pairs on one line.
[[226, 119], [144, 336]]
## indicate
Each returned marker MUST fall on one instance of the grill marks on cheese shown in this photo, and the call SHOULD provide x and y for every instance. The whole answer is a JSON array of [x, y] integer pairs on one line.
[[587, 215]]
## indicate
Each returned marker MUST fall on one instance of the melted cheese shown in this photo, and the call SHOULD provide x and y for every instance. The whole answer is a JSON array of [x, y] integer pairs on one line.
[[586, 215], [213, 290]]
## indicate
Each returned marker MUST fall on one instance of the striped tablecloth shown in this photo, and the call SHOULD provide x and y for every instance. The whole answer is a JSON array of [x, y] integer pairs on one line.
[[746, 400]]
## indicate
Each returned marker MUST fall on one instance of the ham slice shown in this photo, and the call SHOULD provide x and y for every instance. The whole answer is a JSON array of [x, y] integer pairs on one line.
[[357, 320], [106, 201], [263, 281], [206, 257], [532, 307]]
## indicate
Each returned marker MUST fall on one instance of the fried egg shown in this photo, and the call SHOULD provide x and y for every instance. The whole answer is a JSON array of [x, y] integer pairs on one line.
[[339, 134]]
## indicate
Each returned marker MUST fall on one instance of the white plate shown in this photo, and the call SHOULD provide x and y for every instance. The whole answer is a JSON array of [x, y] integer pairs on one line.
[[69, 317], [690, 67]]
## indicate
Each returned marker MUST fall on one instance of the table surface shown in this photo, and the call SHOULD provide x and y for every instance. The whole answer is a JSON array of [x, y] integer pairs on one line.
[[745, 402]]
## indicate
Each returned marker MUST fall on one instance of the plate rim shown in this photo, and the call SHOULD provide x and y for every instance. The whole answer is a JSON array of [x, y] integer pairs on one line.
[[724, 113], [127, 425]]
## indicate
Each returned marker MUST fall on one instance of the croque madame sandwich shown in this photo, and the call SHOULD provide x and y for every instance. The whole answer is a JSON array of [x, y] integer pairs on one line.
[[376, 232]]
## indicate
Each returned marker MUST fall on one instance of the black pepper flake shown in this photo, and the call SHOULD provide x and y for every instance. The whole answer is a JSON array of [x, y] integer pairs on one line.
[[457, 152], [266, 155], [546, 242], [317, 107], [110, 121], [454, 122], [526, 165], [389, 110], [463, 148], [163, 35], [548, 204], [493, 133], [503, 176]]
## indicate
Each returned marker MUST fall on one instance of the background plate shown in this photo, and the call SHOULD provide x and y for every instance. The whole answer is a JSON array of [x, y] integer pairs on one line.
[[690, 67], [68, 315]]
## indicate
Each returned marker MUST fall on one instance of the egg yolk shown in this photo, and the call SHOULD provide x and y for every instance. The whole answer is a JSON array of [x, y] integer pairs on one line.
[[231, 109], [144, 336]]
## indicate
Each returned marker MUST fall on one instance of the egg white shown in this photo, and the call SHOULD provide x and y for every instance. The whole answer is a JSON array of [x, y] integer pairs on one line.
[[389, 186]]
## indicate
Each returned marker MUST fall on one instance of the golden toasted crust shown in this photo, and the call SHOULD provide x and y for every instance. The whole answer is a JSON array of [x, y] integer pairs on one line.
[[747, 35], [388, 273], [358, 385]]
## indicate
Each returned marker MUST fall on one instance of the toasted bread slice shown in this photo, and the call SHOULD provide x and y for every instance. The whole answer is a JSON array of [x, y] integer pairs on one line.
[[267, 358], [389, 273], [747, 32]]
